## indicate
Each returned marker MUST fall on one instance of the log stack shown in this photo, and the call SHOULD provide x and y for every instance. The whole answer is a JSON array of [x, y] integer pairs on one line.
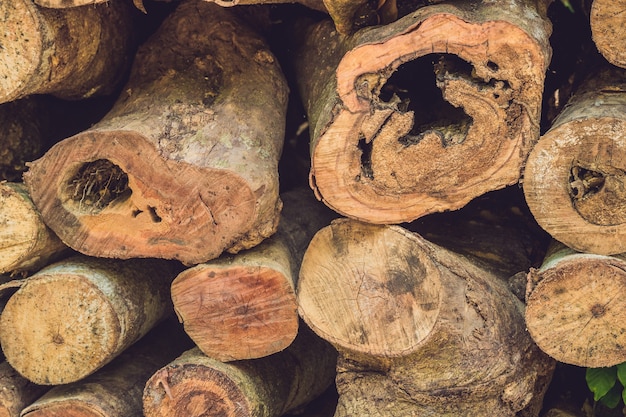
[[433, 249]]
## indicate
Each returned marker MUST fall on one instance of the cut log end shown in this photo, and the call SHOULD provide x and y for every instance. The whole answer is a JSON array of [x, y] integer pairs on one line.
[[407, 300], [77, 315], [236, 312], [101, 192], [178, 394], [590, 331], [469, 111], [574, 184], [607, 20]]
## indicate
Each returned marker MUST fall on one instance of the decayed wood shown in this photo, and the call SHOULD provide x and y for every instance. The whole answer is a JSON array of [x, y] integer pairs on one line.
[[196, 385], [575, 178], [312, 4], [425, 113], [608, 29], [244, 306], [420, 330], [75, 316], [185, 164], [71, 53], [576, 307], [26, 243], [116, 389], [16, 392]]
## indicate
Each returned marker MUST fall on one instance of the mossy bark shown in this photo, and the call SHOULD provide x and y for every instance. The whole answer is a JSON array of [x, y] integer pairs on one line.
[[185, 165], [426, 113]]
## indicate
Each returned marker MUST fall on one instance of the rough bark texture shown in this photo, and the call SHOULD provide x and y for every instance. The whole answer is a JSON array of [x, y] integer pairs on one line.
[[426, 113], [608, 29], [73, 317], [576, 307], [116, 389], [185, 164], [16, 392], [26, 243], [195, 385], [575, 178], [420, 330], [72, 53], [244, 306], [349, 15]]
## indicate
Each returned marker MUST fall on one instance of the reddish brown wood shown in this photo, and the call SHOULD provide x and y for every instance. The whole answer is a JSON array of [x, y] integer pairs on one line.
[[185, 164]]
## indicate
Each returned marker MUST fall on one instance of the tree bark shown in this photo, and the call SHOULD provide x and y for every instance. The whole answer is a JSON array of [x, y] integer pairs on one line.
[[27, 244], [420, 116], [244, 306], [73, 317], [196, 385], [16, 392], [576, 307], [116, 389], [311, 4], [72, 53], [575, 178], [185, 164], [607, 20], [420, 330]]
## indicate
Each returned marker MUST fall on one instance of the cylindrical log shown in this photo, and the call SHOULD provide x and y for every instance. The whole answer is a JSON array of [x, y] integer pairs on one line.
[[185, 164], [420, 330], [16, 392], [73, 317], [244, 306], [26, 243], [608, 22], [350, 15], [116, 389], [196, 385], [575, 178], [576, 307], [425, 113], [72, 53]]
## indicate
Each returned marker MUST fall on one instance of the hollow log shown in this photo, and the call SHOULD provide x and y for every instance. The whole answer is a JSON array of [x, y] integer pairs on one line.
[[420, 330], [72, 53], [575, 181], [425, 113], [16, 392], [75, 316], [26, 243], [196, 385], [244, 306], [202, 117], [576, 307], [607, 20], [116, 389]]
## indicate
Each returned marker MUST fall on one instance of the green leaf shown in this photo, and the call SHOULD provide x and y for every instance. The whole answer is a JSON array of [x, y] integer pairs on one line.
[[612, 398], [568, 5], [601, 380], [621, 373]]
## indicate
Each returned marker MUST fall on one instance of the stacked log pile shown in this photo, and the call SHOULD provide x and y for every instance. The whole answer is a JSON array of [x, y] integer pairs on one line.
[[451, 231]]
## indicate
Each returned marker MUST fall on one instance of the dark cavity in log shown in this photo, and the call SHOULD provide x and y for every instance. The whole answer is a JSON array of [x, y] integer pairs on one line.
[[416, 87], [97, 185]]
